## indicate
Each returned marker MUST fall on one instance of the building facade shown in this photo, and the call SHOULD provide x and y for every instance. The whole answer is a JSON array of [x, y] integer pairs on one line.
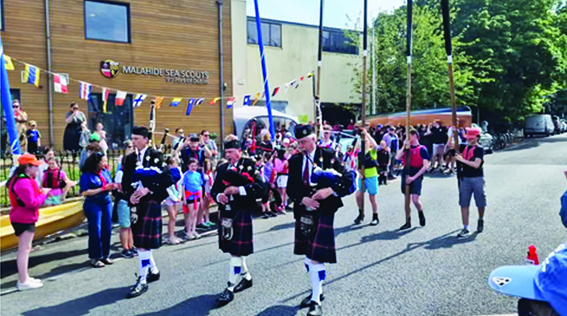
[[291, 52], [166, 48]]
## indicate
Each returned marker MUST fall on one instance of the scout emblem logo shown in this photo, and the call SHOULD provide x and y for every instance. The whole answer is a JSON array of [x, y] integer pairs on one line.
[[500, 281], [109, 68]]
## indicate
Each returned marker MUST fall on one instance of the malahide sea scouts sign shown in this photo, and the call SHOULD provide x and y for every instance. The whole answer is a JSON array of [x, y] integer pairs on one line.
[[110, 69]]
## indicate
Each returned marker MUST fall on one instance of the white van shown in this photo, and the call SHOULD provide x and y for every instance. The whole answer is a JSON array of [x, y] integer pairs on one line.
[[243, 117], [540, 124]]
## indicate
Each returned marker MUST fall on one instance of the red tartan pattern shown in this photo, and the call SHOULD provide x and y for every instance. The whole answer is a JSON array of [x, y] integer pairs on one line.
[[147, 230], [320, 247], [242, 243]]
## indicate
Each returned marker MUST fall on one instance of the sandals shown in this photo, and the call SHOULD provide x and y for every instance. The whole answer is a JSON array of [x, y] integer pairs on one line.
[[96, 263]]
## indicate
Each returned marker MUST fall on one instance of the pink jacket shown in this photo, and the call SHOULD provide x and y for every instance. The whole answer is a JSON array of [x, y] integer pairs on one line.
[[27, 190]]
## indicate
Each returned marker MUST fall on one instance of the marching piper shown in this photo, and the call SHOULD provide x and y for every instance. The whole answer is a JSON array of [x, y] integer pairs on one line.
[[236, 188], [145, 181], [317, 181]]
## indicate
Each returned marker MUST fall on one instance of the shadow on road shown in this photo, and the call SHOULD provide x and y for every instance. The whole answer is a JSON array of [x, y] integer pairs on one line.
[[195, 306], [279, 310], [387, 235], [9, 268], [53, 273], [83, 305]]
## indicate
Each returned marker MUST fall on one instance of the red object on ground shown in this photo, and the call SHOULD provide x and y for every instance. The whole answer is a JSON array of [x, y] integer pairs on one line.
[[532, 255]]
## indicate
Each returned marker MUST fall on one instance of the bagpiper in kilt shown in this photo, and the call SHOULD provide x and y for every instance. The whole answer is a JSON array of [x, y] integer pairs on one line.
[[144, 183], [236, 188], [316, 196]]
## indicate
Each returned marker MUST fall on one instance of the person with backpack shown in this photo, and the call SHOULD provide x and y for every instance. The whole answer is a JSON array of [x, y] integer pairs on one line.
[[370, 179], [25, 199]]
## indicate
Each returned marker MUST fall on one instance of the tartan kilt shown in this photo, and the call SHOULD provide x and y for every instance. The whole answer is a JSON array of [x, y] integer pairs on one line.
[[147, 230], [320, 247], [242, 243]]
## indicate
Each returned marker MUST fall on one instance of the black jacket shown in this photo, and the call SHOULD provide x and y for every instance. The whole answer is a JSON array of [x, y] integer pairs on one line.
[[157, 185], [326, 159], [225, 178]]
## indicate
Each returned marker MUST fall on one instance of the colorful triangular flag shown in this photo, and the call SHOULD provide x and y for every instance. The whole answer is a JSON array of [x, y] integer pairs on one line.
[[301, 79], [246, 100], [175, 101], [230, 102], [85, 90], [158, 101], [139, 99], [31, 75], [8, 62], [309, 75], [105, 93], [286, 87], [59, 83], [189, 107], [214, 101], [120, 97], [200, 101], [291, 83], [256, 98], [276, 90]]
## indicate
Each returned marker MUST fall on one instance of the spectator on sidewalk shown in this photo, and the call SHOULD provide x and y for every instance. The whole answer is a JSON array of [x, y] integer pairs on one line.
[[93, 146], [25, 199], [34, 138], [55, 179], [96, 185], [122, 206], [173, 201], [392, 141], [75, 120]]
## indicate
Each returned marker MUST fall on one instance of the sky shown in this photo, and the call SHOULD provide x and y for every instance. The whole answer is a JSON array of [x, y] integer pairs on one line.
[[335, 12]]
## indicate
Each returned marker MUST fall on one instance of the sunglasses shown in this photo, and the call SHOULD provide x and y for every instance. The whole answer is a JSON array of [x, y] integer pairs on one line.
[[206, 135], [16, 107]]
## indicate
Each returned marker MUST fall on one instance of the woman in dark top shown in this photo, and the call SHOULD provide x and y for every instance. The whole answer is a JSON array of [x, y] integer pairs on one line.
[[96, 185], [75, 120]]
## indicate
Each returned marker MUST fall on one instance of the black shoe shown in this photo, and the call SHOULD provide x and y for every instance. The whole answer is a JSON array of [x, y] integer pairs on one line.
[[480, 226], [421, 219], [315, 309], [128, 254], [407, 225], [265, 216], [464, 233], [138, 289], [375, 221], [272, 214], [359, 219], [226, 297], [307, 301], [289, 208], [243, 285], [152, 277]]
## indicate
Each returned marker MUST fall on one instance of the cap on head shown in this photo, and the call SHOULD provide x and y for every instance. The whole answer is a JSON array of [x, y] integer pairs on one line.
[[232, 144], [472, 133], [28, 159], [194, 138], [95, 137], [302, 131], [140, 130]]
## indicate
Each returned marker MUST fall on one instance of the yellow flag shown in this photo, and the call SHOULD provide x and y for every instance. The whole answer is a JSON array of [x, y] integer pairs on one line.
[[8, 62]]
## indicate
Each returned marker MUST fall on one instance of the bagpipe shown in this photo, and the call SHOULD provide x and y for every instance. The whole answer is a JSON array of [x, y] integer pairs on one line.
[[342, 183]]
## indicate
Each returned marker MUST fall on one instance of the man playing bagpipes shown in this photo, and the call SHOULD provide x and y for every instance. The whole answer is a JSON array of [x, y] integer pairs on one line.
[[236, 188], [145, 181], [316, 184]]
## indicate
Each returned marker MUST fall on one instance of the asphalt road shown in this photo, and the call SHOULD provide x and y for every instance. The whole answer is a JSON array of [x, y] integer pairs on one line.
[[424, 271]]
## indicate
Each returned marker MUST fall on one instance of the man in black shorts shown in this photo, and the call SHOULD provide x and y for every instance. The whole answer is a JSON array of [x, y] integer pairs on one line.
[[419, 162]]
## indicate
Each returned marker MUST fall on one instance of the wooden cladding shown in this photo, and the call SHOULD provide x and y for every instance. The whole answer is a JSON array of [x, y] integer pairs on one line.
[[169, 34]]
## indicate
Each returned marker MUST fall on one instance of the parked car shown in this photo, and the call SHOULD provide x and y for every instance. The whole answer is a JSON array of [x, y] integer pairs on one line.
[[486, 140], [563, 126], [540, 124]]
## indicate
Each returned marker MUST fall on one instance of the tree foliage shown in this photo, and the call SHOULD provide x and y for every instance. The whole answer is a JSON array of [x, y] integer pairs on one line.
[[510, 57]]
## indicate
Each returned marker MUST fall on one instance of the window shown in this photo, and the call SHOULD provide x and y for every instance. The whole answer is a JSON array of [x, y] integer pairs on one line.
[[337, 42], [107, 21], [118, 120], [271, 33]]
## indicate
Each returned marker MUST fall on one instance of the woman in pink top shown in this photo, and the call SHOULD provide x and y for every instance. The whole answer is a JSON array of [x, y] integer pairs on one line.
[[25, 199]]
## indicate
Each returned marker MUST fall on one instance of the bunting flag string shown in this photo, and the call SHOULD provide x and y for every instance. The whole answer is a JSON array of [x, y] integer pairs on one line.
[[189, 107], [32, 74]]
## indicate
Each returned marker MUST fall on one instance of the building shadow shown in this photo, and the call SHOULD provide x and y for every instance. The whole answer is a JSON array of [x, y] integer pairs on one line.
[[9, 267], [195, 306], [279, 310], [83, 305]]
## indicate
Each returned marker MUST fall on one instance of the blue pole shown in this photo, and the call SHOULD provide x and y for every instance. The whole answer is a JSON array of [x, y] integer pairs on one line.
[[264, 72], [7, 106]]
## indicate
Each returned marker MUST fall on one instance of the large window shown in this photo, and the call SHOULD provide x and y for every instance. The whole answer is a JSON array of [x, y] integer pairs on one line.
[[271, 33], [117, 121], [107, 21], [337, 42]]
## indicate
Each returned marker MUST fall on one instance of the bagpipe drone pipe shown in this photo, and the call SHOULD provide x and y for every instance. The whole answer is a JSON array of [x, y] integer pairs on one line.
[[342, 183]]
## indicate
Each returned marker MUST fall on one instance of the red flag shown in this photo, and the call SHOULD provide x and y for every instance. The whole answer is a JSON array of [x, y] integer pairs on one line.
[[120, 96], [301, 79], [275, 91]]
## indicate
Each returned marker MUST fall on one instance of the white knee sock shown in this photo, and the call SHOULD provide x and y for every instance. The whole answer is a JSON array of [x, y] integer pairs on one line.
[[144, 262], [245, 274], [153, 266], [317, 273], [307, 263], [234, 271]]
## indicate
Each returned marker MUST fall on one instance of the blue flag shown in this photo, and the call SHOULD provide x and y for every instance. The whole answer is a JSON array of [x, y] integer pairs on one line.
[[7, 106], [189, 107], [246, 100]]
